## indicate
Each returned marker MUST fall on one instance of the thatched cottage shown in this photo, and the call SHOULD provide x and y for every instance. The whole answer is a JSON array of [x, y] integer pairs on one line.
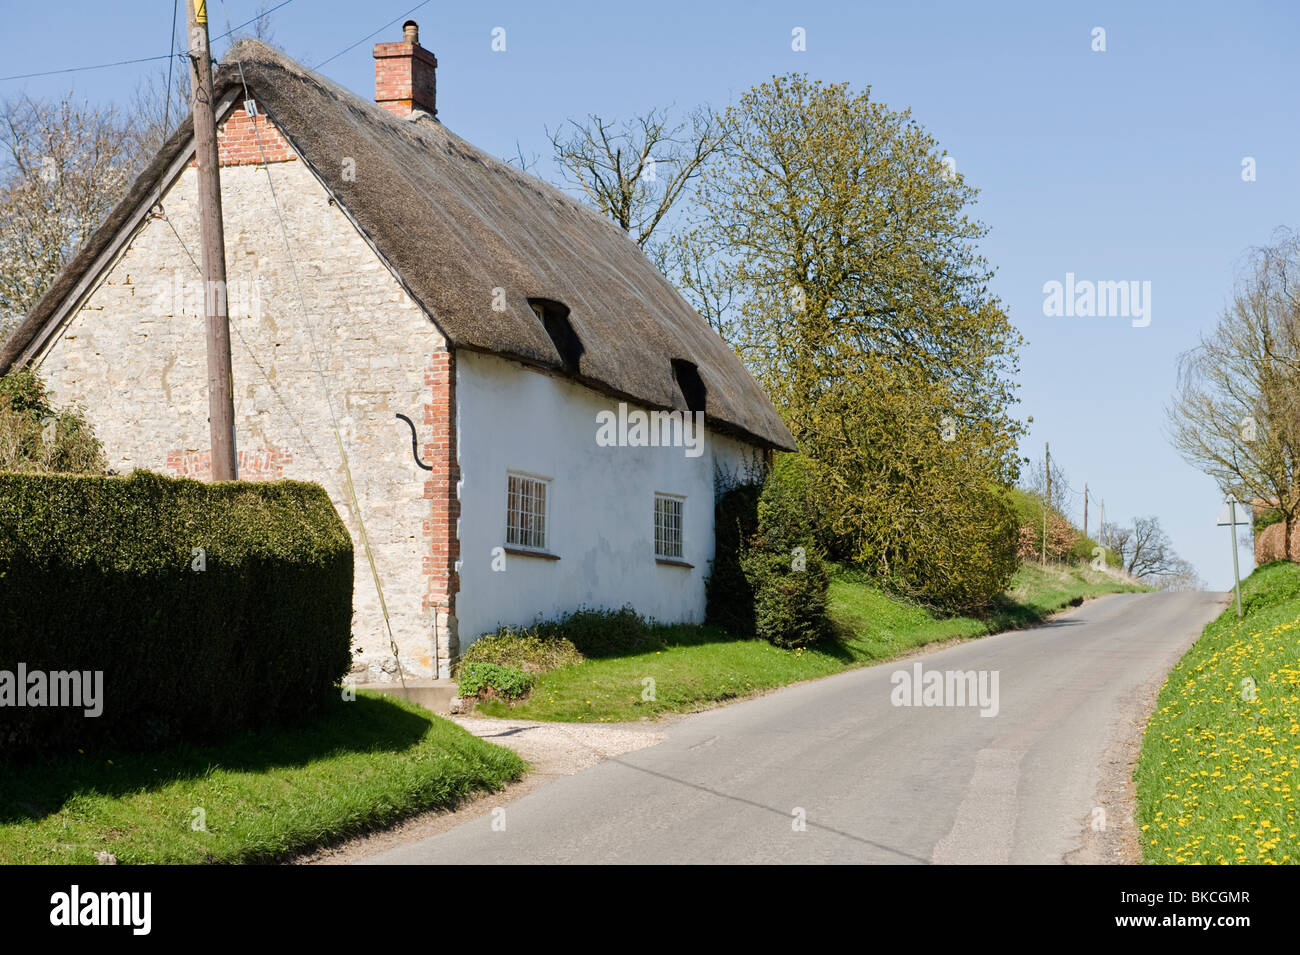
[[501, 366]]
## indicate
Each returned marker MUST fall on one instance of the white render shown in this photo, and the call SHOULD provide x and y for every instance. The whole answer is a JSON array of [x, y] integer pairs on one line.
[[511, 418]]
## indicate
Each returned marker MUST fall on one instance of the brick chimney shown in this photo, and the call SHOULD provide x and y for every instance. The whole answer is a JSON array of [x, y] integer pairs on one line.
[[405, 74]]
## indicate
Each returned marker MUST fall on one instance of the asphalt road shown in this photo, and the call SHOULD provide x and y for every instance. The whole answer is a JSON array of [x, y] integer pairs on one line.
[[877, 782]]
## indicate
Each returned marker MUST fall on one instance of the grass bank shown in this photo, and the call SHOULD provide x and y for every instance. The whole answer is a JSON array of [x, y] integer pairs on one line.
[[259, 797], [1220, 764], [699, 666]]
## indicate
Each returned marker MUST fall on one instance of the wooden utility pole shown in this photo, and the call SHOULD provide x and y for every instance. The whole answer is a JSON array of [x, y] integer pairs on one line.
[[1085, 508], [221, 388], [1047, 469]]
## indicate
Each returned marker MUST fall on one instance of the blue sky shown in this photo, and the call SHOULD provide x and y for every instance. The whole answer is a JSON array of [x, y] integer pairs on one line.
[[1123, 165]]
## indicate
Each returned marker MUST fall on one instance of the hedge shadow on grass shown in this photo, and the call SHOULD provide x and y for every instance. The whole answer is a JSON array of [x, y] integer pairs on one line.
[[363, 725]]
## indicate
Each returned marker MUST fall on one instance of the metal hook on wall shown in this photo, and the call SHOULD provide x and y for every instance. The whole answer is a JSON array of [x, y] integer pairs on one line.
[[415, 444]]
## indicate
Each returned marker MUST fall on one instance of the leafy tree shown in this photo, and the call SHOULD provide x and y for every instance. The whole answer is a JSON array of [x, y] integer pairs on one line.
[[36, 436], [831, 246]]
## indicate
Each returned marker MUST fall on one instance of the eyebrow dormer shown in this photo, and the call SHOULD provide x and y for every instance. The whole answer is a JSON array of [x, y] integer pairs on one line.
[[691, 385], [554, 317]]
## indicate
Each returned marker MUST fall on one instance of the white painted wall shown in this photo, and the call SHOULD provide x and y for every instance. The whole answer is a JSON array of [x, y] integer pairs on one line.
[[601, 510]]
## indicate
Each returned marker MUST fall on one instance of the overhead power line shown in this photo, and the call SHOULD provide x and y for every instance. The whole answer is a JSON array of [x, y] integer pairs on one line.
[[140, 59], [317, 66]]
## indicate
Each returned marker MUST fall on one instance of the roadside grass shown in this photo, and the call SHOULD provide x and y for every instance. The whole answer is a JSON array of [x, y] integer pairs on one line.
[[1219, 771], [697, 666], [264, 796]]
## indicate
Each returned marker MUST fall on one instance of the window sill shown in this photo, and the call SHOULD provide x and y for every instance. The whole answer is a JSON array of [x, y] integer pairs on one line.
[[525, 552], [673, 562]]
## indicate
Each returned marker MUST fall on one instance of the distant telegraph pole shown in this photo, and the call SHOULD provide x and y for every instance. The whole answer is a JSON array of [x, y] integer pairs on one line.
[[1085, 508], [221, 405], [1047, 469]]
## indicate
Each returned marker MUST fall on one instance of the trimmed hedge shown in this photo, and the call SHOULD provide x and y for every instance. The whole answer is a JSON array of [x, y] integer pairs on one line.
[[97, 573], [784, 564], [769, 578]]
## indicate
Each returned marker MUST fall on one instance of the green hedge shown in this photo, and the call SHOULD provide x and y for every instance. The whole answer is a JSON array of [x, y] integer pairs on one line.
[[783, 563], [601, 632], [509, 682], [97, 574]]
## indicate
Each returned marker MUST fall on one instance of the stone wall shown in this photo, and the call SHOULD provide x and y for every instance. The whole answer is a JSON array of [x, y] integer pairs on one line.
[[343, 333]]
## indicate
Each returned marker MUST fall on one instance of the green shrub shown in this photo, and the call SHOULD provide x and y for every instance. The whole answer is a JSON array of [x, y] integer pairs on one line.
[[783, 563], [1082, 552], [1267, 517], [602, 633], [522, 649], [36, 436], [961, 557], [476, 679], [729, 596], [100, 574]]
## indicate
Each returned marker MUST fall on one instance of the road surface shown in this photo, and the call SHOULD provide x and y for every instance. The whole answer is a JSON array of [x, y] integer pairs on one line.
[[833, 771]]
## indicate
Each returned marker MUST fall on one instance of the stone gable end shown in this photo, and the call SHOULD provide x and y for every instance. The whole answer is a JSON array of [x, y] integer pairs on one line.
[[133, 355]]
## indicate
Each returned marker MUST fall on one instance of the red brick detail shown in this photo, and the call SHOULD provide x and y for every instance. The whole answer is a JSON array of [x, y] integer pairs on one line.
[[405, 77], [440, 488], [245, 141], [260, 464]]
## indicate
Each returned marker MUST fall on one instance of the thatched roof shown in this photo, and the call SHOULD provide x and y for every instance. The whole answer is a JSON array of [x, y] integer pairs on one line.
[[454, 223]]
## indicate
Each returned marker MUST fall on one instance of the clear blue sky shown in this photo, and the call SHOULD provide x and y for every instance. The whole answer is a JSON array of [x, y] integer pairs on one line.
[[1122, 165]]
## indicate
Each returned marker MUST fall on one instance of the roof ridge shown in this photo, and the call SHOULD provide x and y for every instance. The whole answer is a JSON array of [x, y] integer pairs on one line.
[[470, 237], [267, 55]]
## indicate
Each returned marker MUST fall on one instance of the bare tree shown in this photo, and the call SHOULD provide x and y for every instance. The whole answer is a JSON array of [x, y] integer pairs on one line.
[[161, 104], [1116, 539], [520, 161], [702, 278], [62, 167], [1236, 415], [634, 172], [1183, 576], [1146, 552], [263, 29]]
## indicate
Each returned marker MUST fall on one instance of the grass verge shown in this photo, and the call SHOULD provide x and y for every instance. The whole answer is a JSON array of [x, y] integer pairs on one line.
[[1220, 764], [698, 666], [260, 796]]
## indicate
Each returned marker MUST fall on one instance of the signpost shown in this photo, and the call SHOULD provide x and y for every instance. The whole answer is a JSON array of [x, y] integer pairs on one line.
[[1232, 514]]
